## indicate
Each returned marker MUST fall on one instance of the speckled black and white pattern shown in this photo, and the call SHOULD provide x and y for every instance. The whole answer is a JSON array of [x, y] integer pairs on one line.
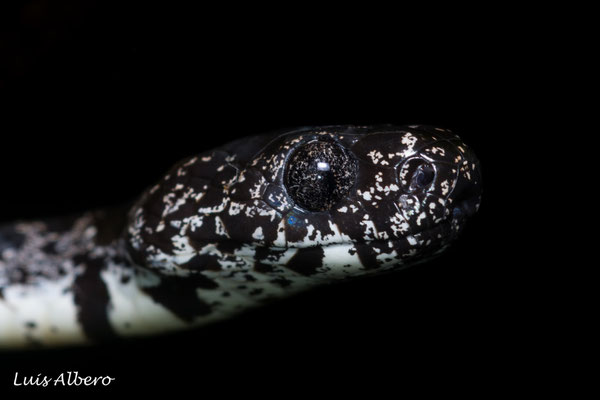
[[235, 227]]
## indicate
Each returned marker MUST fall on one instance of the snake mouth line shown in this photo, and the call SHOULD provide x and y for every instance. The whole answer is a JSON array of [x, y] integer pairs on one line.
[[438, 233]]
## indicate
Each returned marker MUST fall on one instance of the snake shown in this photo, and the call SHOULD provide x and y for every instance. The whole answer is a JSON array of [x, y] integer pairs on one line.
[[236, 227]]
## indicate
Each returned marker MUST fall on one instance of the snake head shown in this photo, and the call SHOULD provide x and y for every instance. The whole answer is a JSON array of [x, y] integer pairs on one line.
[[323, 202]]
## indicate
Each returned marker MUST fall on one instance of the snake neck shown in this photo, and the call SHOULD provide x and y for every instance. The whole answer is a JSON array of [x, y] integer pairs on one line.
[[34, 252], [71, 280]]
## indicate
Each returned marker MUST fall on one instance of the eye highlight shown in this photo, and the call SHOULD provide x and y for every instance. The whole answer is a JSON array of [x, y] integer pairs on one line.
[[319, 174]]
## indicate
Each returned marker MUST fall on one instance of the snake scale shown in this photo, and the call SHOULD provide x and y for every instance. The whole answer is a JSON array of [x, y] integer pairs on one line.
[[235, 227]]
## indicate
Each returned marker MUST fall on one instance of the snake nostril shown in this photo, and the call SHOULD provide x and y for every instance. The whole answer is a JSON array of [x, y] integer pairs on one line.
[[416, 174], [422, 176]]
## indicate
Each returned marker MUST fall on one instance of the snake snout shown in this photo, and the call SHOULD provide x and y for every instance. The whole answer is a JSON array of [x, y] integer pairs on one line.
[[466, 208], [466, 195]]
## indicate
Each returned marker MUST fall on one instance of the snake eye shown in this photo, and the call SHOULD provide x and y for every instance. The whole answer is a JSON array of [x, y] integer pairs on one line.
[[417, 174], [319, 174]]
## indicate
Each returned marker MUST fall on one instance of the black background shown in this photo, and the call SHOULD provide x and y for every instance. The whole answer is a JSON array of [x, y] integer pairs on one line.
[[100, 99]]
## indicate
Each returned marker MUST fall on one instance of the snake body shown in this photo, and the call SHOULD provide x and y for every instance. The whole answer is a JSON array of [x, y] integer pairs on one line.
[[235, 227]]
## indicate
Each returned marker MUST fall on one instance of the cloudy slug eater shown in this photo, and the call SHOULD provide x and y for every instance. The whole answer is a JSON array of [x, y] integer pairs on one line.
[[234, 227]]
